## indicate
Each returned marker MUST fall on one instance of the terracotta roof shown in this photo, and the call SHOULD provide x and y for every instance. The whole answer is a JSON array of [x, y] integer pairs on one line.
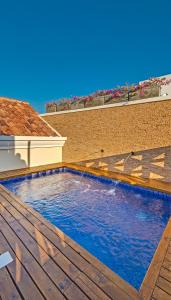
[[19, 118]]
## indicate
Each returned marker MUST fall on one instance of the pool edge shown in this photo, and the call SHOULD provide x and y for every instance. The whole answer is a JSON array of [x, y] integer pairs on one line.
[[151, 277], [119, 282], [146, 289], [153, 184]]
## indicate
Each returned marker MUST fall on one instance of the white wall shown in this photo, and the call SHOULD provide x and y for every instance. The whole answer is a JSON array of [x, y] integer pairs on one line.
[[166, 89], [22, 152]]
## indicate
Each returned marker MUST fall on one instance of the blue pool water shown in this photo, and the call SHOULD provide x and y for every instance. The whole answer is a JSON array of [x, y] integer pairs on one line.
[[121, 225]]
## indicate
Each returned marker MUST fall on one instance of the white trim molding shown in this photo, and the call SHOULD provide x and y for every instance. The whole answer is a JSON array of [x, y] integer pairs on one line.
[[22, 142]]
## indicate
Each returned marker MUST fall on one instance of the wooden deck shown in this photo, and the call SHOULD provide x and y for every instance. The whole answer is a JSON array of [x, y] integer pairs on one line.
[[157, 282], [47, 264]]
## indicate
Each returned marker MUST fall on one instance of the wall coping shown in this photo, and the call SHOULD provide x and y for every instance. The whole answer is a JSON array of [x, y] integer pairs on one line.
[[126, 103], [25, 142], [31, 138]]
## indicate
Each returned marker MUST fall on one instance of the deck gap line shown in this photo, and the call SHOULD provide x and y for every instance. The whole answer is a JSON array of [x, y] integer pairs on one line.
[[167, 269], [52, 259], [33, 258], [164, 278], [163, 289], [23, 267], [17, 288]]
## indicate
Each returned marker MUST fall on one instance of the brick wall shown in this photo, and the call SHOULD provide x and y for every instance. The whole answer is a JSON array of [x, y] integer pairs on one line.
[[117, 130]]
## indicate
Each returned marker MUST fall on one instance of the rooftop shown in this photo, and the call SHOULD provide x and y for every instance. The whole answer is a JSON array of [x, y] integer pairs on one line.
[[18, 118], [66, 270]]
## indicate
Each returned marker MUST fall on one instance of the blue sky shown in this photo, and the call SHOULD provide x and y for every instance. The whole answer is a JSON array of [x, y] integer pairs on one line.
[[52, 49]]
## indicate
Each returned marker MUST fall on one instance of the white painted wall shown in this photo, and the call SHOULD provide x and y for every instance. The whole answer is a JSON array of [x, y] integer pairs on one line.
[[18, 152], [166, 89]]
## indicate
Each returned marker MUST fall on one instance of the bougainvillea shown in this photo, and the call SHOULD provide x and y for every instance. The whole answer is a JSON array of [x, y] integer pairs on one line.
[[115, 93]]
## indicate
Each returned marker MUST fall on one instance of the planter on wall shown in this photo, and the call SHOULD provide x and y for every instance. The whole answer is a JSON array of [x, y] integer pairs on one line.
[[51, 108], [61, 107], [77, 105], [148, 92], [97, 101]]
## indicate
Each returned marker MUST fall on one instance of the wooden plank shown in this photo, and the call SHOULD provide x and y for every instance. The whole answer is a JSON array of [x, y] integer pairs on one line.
[[74, 293], [62, 261], [159, 294], [152, 274], [34, 248], [8, 290], [6, 213], [164, 284], [80, 278], [85, 283], [167, 264], [168, 257], [19, 275], [60, 244], [38, 275], [94, 262], [73, 256], [54, 272], [63, 282], [165, 274], [26, 171], [106, 285], [49, 230]]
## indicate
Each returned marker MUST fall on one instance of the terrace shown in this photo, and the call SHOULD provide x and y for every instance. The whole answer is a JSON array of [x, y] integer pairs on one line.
[[46, 262]]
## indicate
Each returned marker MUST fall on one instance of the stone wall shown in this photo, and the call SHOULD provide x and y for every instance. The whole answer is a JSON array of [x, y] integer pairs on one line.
[[115, 131]]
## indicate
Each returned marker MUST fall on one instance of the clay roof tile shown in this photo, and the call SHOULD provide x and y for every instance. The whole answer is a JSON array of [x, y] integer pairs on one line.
[[19, 118]]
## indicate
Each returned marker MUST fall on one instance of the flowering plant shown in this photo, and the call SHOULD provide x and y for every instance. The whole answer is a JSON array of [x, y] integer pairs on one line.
[[115, 93]]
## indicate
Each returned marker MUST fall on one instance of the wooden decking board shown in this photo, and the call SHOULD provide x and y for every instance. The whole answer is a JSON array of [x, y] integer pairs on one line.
[[57, 258], [149, 286], [55, 270], [19, 275], [67, 250], [86, 284], [163, 284], [55, 273], [35, 271], [7, 288], [165, 274], [87, 256], [160, 294], [59, 268]]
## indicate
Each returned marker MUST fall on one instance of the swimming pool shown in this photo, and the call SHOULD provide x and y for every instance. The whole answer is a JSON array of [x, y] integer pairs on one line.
[[118, 223]]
